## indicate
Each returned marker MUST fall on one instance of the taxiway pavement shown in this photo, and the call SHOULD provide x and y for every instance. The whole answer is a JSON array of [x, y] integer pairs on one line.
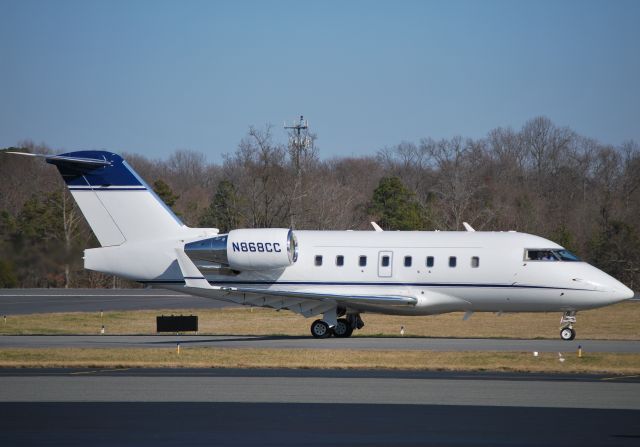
[[30, 301], [33, 301], [289, 407], [292, 342]]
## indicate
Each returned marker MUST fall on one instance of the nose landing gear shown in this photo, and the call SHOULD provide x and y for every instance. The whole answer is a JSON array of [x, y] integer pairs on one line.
[[567, 332]]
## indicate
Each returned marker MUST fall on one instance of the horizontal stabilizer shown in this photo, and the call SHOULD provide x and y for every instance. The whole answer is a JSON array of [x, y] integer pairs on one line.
[[62, 159]]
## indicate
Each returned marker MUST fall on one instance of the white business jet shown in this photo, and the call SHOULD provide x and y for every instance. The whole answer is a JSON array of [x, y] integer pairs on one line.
[[337, 274]]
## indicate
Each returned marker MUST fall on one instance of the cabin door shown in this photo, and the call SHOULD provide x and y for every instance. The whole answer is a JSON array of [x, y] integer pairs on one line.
[[385, 264]]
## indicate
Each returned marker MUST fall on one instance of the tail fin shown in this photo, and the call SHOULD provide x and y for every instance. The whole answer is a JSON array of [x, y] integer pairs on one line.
[[116, 202]]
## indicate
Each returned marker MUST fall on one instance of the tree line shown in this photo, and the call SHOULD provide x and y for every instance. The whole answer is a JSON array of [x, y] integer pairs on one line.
[[542, 179]]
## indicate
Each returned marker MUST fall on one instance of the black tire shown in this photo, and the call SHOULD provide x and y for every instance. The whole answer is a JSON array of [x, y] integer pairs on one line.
[[320, 329], [342, 329], [567, 334]]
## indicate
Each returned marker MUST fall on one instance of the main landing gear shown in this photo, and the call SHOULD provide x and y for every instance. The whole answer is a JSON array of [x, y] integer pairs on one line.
[[320, 329], [567, 332], [343, 328]]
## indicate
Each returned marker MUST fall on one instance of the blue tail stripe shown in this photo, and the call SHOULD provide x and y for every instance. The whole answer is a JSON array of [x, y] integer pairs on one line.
[[117, 173]]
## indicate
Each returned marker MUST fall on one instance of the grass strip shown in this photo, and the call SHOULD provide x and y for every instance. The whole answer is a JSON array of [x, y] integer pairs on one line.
[[618, 322], [205, 357]]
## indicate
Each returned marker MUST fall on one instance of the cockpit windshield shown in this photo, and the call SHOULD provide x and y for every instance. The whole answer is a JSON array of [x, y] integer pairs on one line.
[[566, 255], [541, 254]]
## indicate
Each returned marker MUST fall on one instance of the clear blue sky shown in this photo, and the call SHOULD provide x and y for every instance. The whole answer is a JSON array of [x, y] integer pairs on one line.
[[154, 76]]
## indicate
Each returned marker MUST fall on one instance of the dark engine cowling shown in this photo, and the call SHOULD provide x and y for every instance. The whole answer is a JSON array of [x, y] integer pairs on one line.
[[249, 249]]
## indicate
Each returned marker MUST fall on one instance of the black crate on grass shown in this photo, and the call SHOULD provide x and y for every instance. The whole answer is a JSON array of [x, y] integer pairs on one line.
[[177, 323]]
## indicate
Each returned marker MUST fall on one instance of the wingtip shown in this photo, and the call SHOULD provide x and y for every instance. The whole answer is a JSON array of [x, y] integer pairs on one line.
[[376, 227], [28, 154]]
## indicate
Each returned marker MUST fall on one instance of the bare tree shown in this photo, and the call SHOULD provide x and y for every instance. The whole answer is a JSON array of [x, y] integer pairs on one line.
[[541, 179], [258, 168], [545, 143]]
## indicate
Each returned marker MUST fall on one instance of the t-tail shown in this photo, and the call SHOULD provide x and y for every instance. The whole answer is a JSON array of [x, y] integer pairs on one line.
[[116, 202]]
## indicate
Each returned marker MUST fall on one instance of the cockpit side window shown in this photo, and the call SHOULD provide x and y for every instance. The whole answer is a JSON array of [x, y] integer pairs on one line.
[[539, 255], [549, 254]]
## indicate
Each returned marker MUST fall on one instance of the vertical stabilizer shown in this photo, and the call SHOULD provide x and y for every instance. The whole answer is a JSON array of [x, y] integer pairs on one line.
[[116, 202]]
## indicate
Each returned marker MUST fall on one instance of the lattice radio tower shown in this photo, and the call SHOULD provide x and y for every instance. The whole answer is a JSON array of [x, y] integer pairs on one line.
[[298, 141]]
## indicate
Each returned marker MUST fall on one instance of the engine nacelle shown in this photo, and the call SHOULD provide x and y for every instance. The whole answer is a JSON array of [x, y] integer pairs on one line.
[[261, 249], [248, 249]]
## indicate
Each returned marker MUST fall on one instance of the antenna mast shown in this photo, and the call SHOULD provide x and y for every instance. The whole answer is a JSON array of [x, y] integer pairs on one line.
[[299, 141]]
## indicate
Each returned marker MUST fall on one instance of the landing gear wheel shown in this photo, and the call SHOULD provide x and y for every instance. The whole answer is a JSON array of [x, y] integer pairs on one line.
[[342, 329], [320, 329], [567, 321], [567, 334]]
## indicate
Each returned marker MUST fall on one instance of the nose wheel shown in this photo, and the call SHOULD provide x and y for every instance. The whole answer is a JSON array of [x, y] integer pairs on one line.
[[567, 332]]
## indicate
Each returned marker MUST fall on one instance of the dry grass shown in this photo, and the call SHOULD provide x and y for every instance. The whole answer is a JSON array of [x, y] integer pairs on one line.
[[619, 322], [201, 357]]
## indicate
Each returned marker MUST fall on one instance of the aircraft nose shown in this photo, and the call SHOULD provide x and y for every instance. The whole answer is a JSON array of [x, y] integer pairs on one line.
[[614, 290], [622, 292]]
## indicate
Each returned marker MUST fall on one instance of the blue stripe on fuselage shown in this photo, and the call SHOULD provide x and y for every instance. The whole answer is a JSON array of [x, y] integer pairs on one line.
[[98, 188], [397, 284]]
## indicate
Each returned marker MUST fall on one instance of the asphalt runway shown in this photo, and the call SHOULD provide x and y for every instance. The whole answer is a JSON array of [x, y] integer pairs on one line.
[[30, 301], [316, 408], [291, 342], [33, 301]]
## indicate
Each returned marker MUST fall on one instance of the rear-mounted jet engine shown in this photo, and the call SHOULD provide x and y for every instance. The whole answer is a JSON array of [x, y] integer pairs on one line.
[[249, 249]]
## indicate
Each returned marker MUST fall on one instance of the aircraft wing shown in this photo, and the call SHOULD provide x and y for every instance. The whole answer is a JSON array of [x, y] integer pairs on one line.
[[385, 300], [195, 279]]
